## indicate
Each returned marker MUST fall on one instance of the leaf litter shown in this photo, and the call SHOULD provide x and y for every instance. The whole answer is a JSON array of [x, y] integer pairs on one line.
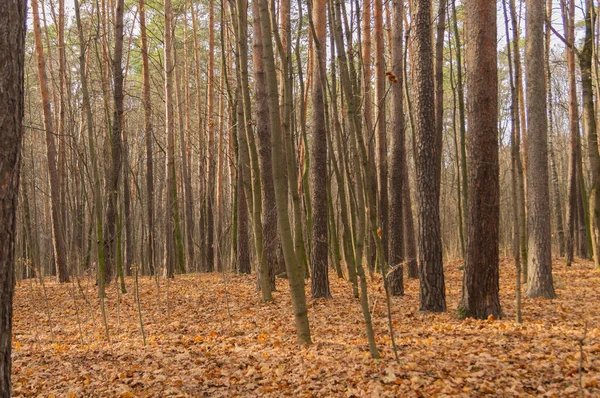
[[218, 339]]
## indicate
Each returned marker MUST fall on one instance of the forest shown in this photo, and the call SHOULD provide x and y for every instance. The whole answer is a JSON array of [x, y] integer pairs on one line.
[[307, 198]]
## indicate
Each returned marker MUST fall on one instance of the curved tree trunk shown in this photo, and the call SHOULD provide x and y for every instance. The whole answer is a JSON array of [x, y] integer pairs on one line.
[[294, 268]]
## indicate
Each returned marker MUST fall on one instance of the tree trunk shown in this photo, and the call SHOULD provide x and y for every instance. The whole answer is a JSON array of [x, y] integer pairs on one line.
[[171, 187], [148, 140], [480, 297], [112, 182], [294, 268], [439, 89], [210, 152], [318, 171], [514, 159], [264, 200], [520, 131], [184, 147], [58, 237], [398, 153], [461, 114], [572, 215], [589, 125], [539, 249], [381, 128], [432, 288], [13, 17]]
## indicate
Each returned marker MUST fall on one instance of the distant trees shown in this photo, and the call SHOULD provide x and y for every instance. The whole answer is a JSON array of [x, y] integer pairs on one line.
[[299, 139]]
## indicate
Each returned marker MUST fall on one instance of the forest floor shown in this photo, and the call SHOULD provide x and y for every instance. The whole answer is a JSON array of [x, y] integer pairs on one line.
[[212, 336]]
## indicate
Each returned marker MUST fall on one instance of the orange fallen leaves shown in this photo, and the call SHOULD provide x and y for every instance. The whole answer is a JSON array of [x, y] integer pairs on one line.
[[211, 346]]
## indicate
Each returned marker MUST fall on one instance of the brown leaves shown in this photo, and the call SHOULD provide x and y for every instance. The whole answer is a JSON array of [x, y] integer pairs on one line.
[[195, 352]]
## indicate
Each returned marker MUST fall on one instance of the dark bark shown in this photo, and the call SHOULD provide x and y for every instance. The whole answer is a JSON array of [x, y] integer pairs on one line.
[[432, 288], [480, 297], [318, 170], [13, 17], [148, 140], [112, 182]]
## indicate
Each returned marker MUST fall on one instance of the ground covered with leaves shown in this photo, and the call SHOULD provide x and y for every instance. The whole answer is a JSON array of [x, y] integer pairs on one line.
[[210, 335]]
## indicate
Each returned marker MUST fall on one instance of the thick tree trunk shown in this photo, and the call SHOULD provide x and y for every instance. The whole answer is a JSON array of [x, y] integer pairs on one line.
[[13, 17], [539, 258], [480, 297], [432, 287]]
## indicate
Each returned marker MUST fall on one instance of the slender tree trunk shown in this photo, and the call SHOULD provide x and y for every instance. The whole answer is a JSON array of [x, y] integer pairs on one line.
[[398, 153], [318, 171], [589, 125], [439, 89], [13, 17], [558, 209], [574, 132], [514, 159], [432, 288], [247, 146], [148, 140], [171, 187], [381, 128], [58, 236], [184, 146], [210, 131], [112, 182], [294, 269], [354, 128], [201, 260], [480, 297], [539, 259], [461, 113], [520, 130]]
